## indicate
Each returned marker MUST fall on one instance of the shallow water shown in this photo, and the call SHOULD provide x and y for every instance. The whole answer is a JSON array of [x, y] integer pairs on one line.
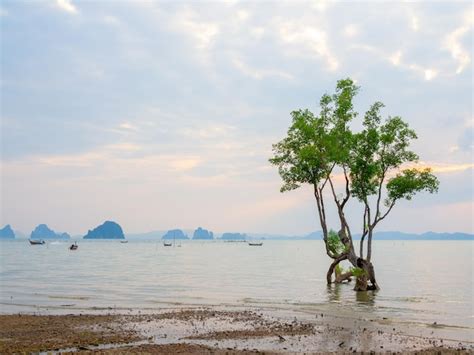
[[420, 281]]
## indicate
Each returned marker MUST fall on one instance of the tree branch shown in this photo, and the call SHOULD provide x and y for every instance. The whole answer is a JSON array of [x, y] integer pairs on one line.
[[344, 225], [348, 193], [333, 266], [328, 175], [322, 219], [364, 233], [386, 213], [384, 171]]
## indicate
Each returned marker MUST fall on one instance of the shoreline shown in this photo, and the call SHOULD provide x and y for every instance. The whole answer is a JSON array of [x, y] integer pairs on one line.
[[221, 330]]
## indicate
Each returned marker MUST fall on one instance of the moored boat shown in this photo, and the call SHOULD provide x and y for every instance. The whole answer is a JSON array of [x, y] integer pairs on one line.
[[254, 244], [36, 241]]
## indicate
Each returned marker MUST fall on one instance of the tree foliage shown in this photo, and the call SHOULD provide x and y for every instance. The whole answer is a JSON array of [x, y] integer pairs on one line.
[[410, 181], [334, 243], [315, 143]]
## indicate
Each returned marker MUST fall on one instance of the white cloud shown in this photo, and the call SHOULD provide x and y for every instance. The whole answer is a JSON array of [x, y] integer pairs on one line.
[[310, 38], [210, 131], [257, 32], [67, 5], [111, 20], [351, 30], [203, 32], [321, 5], [243, 15], [452, 43], [427, 73], [396, 58], [430, 74], [415, 22], [128, 126], [259, 73]]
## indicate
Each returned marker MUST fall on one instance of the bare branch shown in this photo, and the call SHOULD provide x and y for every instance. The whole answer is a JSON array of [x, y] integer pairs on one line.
[[364, 233], [379, 195], [348, 193], [322, 219], [328, 176], [386, 213]]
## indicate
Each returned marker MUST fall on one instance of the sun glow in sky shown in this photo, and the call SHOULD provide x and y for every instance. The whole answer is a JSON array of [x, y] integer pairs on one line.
[[162, 114]]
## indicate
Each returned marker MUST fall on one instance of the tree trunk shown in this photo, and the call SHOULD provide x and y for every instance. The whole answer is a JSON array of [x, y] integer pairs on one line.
[[333, 267], [362, 281], [341, 277]]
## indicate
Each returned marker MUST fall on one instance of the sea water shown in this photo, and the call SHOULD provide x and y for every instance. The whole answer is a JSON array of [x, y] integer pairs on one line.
[[421, 281]]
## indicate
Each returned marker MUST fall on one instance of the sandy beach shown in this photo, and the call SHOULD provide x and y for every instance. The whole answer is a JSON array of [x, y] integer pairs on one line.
[[215, 330]]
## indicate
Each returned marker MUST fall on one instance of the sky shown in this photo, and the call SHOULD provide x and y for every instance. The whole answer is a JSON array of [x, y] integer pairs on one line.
[[162, 115]]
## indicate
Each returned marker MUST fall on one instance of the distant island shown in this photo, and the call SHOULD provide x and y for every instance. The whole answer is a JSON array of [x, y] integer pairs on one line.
[[393, 235], [7, 232], [234, 236], [42, 231], [107, 230], [175, 234], [203, 234]]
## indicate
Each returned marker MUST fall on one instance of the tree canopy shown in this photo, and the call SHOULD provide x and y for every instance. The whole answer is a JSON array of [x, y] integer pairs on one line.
[[376, 163]]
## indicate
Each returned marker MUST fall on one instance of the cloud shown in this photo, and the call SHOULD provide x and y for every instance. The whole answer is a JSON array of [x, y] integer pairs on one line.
[[452, 43], [242, 15], [75, 160], [184, 164], [203, 33], [466, 140], [414, 22], [351, 30], [309, 38], [428, 73], [176, 96], [259, 73], [444, 167], [321, 5], [121, 158], [395, 59], [67, 5], [257, 32], [111, 20], [208, 132], [128, 126], [126, 147]]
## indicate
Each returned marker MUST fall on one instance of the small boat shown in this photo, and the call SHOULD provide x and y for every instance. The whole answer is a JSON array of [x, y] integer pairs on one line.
[[74, 246], [124, 241], [254, 244], [167, 244], [36, 242]]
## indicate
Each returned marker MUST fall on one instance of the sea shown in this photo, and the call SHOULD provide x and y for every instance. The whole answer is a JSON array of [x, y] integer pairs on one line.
[[422, 282]]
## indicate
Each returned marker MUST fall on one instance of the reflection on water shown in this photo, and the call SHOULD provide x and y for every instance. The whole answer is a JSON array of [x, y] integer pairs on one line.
[[428, 286], [335, 292], [366, 297]]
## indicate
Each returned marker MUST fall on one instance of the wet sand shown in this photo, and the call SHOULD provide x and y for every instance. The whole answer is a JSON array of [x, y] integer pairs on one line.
[[215, 330]]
